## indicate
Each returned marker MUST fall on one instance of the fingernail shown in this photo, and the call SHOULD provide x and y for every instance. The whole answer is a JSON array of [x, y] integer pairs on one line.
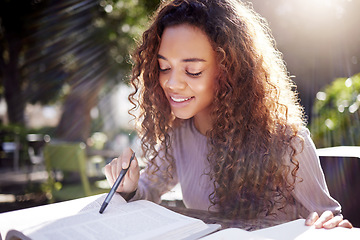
[[327, 225], [124, 165], [318, 225]]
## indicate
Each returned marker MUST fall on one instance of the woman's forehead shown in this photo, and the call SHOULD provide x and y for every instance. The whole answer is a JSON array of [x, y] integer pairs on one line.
[[185, 41]]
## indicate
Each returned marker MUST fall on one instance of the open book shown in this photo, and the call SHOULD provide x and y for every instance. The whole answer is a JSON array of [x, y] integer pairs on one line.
[[80, 219]]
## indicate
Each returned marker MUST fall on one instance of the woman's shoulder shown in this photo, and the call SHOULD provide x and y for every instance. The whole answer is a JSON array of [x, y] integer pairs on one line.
[[303, 135], [304, 145], [294, 132], [297, 141]]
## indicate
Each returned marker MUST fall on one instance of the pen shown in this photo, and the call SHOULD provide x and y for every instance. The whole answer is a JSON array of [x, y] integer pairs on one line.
[[116, 185]]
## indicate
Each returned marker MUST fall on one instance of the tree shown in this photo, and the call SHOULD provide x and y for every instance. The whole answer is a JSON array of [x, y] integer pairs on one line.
[[13, 39], [68, 50], [115, 28]]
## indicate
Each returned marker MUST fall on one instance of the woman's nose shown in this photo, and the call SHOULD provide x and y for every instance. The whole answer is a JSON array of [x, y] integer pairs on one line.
[[175, 81]]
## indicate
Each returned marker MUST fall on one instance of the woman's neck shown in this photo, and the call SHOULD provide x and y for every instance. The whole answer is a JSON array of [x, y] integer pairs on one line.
[[202, 123]]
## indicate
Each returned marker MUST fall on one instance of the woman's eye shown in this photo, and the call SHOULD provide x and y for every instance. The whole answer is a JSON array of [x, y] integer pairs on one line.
[[194, 74], [163, 69]]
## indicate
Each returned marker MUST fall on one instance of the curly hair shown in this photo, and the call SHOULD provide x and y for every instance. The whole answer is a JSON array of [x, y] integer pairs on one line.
[[256, 114]]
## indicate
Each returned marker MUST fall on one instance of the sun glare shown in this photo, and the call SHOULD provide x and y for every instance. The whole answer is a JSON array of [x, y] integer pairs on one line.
[[325, 8]]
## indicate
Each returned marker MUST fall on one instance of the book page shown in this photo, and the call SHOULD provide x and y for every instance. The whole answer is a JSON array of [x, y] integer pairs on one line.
[[116, 200], [27, 218], [286, 231], [234, 234], [296, 230], [135, 220]]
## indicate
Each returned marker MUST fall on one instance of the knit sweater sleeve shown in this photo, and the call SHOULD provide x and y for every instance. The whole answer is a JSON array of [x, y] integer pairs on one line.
[[152, 186], [311, 190]]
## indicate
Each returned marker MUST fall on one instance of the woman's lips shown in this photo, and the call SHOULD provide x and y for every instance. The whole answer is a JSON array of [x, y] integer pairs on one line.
[[179, 101]]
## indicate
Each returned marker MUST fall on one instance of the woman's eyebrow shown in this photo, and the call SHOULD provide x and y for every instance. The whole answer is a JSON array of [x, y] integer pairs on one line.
[[194, 60], [185, 60]]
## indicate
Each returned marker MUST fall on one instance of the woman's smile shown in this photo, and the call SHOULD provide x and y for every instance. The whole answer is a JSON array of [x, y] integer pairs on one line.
[[180, 99]]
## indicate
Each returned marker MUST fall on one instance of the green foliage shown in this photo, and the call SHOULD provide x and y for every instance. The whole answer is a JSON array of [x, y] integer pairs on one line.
[[336, 114], [62, 44], [120, 24]]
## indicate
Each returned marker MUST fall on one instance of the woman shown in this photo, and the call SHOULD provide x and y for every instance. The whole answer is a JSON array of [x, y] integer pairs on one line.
[[219, 117]]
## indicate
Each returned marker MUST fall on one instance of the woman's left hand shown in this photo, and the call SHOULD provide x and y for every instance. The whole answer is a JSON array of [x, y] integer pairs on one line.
[[327, 220]]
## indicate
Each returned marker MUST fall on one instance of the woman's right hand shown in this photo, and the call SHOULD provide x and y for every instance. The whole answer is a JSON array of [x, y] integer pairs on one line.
[[130, 182]]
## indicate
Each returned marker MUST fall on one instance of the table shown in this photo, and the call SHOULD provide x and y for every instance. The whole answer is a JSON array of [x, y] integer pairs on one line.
[[340, 151]]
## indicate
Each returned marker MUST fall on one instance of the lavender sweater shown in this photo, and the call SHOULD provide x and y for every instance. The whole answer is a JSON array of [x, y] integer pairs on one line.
[[190, 151]]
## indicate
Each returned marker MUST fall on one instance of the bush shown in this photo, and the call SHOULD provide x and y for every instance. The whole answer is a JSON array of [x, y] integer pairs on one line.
[[336, 114]]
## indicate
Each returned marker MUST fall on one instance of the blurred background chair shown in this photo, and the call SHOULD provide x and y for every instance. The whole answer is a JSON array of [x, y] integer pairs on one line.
[[36, 143], [341, 167], [66, 164], [9, 150]]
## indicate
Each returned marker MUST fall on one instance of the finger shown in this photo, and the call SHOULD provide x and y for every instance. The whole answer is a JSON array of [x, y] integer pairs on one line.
[[333, 222], [345, 223], [131, 177], [311, 219], [118, 170], [115, 169], [108, 173], [111, 168], [134, 172], [126, 158], [326, 216]]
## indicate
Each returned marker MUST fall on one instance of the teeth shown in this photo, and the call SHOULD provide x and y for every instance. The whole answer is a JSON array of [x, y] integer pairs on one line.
[[180, 99]]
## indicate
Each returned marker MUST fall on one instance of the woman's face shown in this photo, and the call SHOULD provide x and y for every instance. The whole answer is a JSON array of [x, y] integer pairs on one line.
[[188, 71]]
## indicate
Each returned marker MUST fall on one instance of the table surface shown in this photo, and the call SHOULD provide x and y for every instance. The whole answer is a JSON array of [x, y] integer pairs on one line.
[[340, 151]]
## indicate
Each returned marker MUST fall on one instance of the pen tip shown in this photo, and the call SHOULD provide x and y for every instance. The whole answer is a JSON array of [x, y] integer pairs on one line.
[[102, 208]]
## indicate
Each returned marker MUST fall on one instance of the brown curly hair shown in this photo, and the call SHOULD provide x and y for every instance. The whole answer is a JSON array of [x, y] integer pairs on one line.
[[256, 114]]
